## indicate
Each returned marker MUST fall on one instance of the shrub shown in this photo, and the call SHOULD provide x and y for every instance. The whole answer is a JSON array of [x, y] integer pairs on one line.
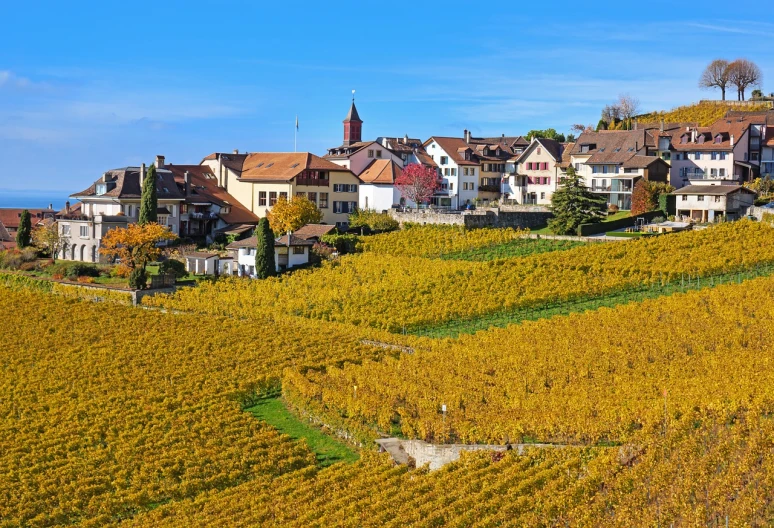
[[323, 251], [173, 266], [344, 243], [86, 280], [138, 279], [372, 221], [81, 269], [27, 266]]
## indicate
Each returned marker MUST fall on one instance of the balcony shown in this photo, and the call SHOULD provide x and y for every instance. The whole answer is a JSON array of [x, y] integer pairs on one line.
[[441, 192], [202, 216], [599, 189], [313, 182], [489, 188]]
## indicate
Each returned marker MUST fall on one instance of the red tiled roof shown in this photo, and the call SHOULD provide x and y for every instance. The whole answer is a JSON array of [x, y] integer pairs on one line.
[[284, 166], [736, 126], [381, 171], [9, 217], [204, 186], [310, 231]]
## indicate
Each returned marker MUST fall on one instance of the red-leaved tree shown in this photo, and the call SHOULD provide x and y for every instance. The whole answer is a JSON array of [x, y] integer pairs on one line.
[[417, 183]]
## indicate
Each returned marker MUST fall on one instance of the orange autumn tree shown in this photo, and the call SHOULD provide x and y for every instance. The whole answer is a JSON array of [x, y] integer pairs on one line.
[[290, 215], [135, 245]]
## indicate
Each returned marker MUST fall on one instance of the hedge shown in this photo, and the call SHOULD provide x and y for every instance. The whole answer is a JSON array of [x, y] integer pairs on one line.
[[603, 227]]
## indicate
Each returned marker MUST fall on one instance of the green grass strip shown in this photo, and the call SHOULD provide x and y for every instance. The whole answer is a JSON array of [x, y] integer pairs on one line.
[[516, 248], [328, 450], [455, 328]]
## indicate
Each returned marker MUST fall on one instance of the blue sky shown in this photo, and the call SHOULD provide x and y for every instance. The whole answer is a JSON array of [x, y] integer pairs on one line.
[[85, 87]]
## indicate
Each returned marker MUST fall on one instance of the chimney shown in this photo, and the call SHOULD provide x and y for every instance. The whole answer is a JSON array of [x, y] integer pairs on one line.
[[159, 161], [693, 136], [187, 180], [50, 207], [661, 127], [67, 207], [142, 174], [104, 177], [467, 135], [732, 140], [236, 151], [405, 139]]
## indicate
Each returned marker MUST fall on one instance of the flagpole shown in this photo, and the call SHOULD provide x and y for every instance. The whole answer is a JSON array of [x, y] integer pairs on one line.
[[295, 136]]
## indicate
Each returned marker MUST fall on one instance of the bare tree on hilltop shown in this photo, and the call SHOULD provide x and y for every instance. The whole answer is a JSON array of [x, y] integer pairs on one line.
[[715, 76], [743, 73]]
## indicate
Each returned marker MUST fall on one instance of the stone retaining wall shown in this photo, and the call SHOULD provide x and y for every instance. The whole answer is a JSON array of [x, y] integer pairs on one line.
[[526, 217]]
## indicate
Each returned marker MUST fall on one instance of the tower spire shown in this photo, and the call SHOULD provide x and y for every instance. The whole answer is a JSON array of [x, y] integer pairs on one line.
[[352, 125]]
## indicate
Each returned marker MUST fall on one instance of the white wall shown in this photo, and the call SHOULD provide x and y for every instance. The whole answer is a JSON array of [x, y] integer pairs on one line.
[[379, 197]]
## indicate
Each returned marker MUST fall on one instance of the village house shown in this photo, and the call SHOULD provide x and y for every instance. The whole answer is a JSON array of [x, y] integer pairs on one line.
[[715, 155], [471, 168], [611, 162], [712, 203], [10, 218], [378, 190], [114, 201], [207, 209], [534, 174], [290, 251], [258, 179]]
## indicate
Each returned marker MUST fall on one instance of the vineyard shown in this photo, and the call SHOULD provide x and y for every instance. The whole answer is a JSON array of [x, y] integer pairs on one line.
[[104, 417], [704, 114], [660, 410], [399, 293]]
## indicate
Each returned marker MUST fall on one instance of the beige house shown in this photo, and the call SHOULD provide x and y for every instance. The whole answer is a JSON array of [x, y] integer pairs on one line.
[[258, 179], [536, 172], [711, 203]]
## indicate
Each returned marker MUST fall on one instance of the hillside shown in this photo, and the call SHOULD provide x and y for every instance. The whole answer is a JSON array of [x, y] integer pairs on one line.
[[702, 113]]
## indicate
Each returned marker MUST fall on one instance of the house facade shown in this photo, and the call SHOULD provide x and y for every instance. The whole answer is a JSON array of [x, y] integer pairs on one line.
[[611, 162], [711, 203], [378, 190], [258, 179], [114, 201], [534, 174], [289, 252]]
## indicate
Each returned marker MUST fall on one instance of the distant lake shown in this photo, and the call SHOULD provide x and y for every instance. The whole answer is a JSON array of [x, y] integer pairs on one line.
[[33, 199]]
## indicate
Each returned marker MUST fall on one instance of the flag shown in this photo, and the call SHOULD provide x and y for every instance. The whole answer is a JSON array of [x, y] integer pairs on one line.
[[296, 122]]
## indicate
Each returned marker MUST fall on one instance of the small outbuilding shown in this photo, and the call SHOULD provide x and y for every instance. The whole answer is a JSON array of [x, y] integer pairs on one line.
[[200, 263]]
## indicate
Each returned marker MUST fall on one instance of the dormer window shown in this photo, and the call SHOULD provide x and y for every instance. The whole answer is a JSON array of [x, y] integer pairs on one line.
[[719, 138], [700, 139], [684, 139]]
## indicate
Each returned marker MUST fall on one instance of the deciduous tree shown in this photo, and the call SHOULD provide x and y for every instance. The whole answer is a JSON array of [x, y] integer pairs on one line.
[[715, 75], [573, 204], [290, 215], [548, 133], [24, 233], [47, 238], [744, 73], [417, 183], [149, 204], [135, 245], [264, 251]]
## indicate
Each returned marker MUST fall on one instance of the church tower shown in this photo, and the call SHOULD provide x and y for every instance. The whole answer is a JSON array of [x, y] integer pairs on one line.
[[352, 125]]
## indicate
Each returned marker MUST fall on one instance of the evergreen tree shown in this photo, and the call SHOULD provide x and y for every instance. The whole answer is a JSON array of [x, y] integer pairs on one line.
[[149, 202], [264, 254], [573, 204], [24, 233]]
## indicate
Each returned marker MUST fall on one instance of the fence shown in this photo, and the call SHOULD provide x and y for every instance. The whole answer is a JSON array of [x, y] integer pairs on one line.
[[637, 293]]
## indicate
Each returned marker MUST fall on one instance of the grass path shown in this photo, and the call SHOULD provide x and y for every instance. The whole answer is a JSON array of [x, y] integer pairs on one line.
[[328, 450]]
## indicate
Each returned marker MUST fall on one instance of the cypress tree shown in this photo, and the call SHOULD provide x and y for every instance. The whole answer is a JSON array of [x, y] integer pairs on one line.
[[149, 202], [24, 233], [573, 204], [264, 253]]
